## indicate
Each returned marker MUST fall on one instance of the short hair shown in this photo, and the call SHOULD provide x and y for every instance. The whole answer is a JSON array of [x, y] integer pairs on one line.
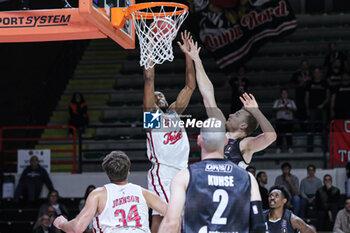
[[286, 164], [53, 191], [250, 166], [327, 175], [331, 43], [283, 190], [304, 60], [212, 137], [117, 165], [347, 198], [259, 174], [252, 124], [312, 166], [283, 89], [159, 92]]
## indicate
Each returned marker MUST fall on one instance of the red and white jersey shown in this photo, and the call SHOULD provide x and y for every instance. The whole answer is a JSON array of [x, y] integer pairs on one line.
[[126, 211], [168, 145]]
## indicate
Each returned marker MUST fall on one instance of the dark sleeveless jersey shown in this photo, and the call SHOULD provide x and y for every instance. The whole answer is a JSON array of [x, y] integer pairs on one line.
[[283, 225], [217, 198], [233, 153]]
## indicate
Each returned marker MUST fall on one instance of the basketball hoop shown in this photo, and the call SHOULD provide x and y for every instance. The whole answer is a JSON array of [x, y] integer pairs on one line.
[[156, 25]]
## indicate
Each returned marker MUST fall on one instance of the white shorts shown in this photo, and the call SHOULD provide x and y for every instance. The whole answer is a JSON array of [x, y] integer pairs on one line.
[[159, 180]]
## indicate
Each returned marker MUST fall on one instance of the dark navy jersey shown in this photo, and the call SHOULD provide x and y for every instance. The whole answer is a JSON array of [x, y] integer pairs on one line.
[[282, 225], [217, 198], [233, 153]]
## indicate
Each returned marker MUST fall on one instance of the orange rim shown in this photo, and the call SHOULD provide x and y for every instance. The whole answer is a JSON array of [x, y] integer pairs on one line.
[[135, 9]]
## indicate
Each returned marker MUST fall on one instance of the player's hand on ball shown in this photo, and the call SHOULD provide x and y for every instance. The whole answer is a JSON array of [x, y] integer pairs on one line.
[[59, 221]]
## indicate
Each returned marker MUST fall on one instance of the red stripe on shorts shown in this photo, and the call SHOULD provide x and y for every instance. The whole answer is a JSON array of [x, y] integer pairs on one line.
[[98, 225], [157, 172]]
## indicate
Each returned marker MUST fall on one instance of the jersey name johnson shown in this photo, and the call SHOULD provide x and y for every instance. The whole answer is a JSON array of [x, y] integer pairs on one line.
[[124, 200]]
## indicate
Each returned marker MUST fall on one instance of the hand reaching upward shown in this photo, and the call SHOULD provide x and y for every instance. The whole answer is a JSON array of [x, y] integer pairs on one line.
[[249, 102], [192, 50], [186, 37]]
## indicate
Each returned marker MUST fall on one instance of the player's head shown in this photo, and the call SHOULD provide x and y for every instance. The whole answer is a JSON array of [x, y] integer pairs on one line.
[[161, 101], [242, 120], [212, 137], [278, 196], [117, 165]]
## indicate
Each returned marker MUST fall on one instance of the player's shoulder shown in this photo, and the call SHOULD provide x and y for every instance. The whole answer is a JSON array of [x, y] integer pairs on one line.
[[98, 192]]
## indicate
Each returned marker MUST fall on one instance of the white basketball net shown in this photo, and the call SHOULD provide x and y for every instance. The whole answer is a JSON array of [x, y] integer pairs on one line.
[[155, 42]]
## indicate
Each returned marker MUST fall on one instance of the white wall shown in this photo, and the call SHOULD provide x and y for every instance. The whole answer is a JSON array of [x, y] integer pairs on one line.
[[74, 185]]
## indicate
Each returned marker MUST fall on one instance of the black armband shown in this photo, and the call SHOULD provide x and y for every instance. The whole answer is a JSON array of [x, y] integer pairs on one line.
[[257, 223]]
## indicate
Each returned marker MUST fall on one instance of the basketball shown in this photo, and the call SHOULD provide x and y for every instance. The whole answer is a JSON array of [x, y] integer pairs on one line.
[[164, 28]]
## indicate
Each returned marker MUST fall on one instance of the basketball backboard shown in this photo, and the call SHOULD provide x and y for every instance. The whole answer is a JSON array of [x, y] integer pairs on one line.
[[90, 21]]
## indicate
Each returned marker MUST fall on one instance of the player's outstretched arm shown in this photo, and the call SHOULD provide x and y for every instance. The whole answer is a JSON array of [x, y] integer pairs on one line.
[[250, 145], [185, 94], [80, 223], [204, 84], [257, 223], [172, 220], [148, 93], [300, 225], [154, 202]]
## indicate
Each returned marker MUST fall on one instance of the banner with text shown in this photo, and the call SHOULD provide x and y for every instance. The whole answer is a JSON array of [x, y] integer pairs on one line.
[[234, 30], [339, 142]]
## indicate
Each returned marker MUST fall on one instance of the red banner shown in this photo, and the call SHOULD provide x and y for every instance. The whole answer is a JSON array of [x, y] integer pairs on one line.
[[339, 142]]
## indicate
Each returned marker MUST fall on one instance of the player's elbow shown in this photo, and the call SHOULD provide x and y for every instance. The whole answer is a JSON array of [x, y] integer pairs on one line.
[[272, 136], [191, 86]]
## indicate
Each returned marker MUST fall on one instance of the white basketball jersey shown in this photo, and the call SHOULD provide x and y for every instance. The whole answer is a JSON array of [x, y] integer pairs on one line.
[[169, 145], [126, 211]]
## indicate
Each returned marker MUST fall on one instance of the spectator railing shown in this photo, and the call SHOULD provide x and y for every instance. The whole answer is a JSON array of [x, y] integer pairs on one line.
[[34, 139], [323, 134], [78, 138]]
